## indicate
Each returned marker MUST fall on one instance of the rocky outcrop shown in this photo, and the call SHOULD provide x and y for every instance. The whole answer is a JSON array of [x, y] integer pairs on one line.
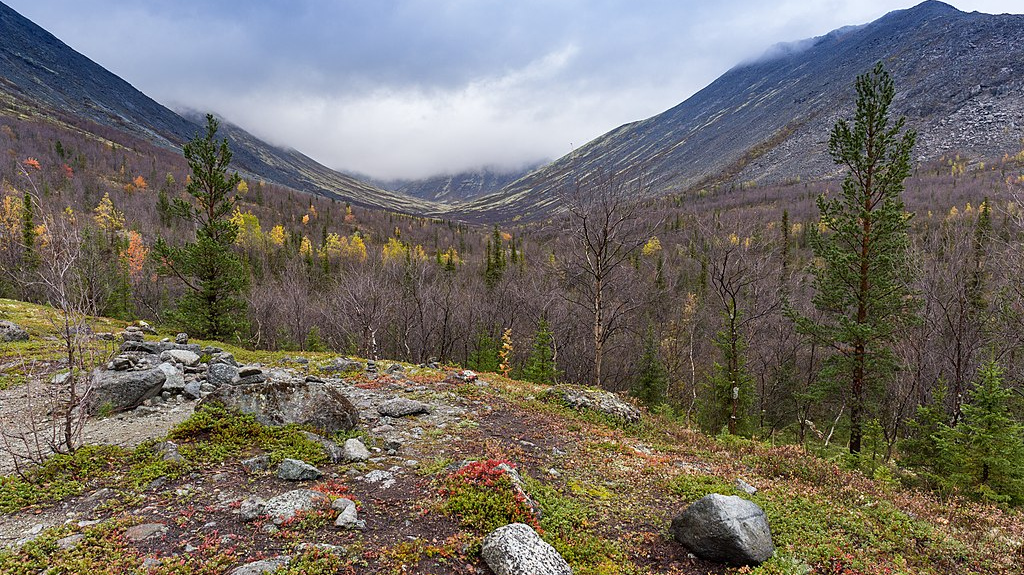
[[10, 331], [605, 402], [726, 529], [290, 401], [516, 549]]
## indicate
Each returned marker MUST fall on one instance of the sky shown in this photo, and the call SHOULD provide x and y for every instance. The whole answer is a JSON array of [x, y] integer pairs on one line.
[[414, 88]]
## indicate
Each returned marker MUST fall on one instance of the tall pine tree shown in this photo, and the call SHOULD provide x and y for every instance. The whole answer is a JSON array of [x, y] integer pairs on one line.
[[214, 275], [863, 279]]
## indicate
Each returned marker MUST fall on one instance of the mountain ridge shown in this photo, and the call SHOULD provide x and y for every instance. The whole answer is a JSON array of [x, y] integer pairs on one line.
[[41, 75], [768, 121]]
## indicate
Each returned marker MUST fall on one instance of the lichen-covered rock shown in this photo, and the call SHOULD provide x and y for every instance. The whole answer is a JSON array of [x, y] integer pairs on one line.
[[295, 470], [294, 401], [402, 407], [262, 566], [516, 549], [605, 402], [725, 529], [284, 507], [221, 373], [115, 391], [174, 380], [182, 356], [354, 450], [10, 331]]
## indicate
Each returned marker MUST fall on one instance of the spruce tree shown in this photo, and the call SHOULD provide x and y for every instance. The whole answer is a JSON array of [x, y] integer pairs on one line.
[[984, 452], [214, 275], [651, 380], [863, 279], [540, 366]]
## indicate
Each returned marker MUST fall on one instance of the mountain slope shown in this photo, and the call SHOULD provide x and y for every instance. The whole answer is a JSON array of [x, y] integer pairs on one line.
[[454, 188], [42, 76], [959, 82]]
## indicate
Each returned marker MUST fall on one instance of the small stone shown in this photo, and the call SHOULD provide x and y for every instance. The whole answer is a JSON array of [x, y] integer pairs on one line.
[[348, 518], [252, 508], [181, 339], [193, 390], [354, 450], [385, 478], [745, 487], [144, 531], [249, 370], [402, 407], [284, 506], [295, 470], [256, 464], [70, 542], [250, 379], [263, 566]]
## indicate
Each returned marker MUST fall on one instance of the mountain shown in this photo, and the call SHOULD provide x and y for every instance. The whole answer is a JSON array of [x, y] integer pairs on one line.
[[959, 81], [454, 188], [41, 77]]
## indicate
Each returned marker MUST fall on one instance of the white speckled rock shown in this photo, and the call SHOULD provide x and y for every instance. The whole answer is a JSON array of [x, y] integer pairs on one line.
[[516, 549], [285, 506]]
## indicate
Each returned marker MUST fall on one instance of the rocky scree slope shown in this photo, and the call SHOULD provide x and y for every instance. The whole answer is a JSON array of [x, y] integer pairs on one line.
[[958, 77]]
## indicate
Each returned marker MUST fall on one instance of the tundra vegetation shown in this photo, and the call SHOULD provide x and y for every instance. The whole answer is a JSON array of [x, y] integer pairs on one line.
[[863, 334]]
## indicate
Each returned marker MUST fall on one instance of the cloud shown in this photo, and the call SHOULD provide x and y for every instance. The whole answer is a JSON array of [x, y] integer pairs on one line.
[[410, 88]]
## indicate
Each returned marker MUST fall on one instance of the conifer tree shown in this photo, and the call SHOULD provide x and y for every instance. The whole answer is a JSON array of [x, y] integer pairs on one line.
[[214, 275], [651, 380], [540, 366], [863, 279], [984, 453]]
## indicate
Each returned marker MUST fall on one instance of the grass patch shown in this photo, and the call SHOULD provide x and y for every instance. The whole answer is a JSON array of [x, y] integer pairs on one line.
[[61, 476]]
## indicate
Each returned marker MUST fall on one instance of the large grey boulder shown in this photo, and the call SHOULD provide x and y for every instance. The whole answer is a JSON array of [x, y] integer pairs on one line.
[[10, 331], [516, 549], [295, 401], [580, 398], [725, 529], [115, 391], [286, 505]]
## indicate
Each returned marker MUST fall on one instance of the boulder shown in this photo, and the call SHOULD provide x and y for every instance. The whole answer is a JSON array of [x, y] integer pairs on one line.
[[605, 402], [341, 364], [174, 380], [116, 391], [262, 566], [348, 516], [10, 331], [284, 507], [354, 450], [221, 373], [279, 403], [182, 356], [192, 390], [181, 338], [401, 407], [725, 529], [516, 549], [295, 470]]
